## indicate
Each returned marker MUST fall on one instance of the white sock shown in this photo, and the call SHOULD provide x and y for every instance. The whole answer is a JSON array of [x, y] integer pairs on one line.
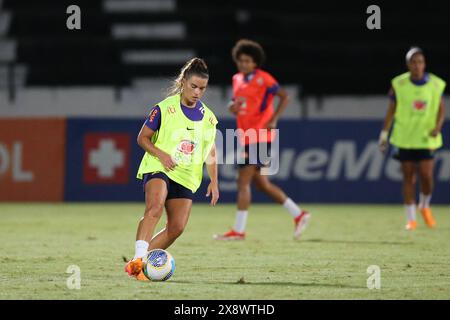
[[241, 221], [410, 210], [424, 200], [141, 248], [292, 207]]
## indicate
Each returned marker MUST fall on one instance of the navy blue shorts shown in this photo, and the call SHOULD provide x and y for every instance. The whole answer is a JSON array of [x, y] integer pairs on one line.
[[256, 158], [414, 155], [174, 189]]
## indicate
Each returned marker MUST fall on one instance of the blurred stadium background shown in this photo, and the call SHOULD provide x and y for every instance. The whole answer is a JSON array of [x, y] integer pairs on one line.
[[72, 101]]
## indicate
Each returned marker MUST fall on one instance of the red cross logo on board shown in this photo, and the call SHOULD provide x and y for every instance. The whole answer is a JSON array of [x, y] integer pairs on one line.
[[106, 158]]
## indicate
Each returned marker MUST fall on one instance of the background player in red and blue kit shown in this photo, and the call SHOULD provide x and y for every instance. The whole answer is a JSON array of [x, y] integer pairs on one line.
[[253, 93]]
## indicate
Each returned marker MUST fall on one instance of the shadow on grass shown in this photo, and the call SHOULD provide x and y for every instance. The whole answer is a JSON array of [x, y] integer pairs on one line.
[[275, 283], [358, 242]]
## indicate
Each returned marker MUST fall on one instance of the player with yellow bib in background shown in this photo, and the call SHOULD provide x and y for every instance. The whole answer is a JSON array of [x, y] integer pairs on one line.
[[417, 110], [178, 137]]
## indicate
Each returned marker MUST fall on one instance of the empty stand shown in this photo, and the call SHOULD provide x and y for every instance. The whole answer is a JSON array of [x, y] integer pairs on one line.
[[323, 46]]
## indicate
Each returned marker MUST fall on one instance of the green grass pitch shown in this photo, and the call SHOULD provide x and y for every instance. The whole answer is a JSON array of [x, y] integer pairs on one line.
[[40, 241]]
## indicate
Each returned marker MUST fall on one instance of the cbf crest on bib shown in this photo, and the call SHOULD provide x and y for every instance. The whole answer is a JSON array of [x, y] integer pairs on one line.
[[419, 105], [185, 151]]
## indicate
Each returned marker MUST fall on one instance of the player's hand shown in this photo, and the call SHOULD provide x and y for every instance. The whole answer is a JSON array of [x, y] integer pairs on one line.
[[272, 124], [167, 161], [234, 108], [213, 189], [383, 145], [383, 141], [434, 133]]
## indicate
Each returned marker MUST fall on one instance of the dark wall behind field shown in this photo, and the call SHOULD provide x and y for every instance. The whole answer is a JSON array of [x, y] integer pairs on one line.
[[323, 46]]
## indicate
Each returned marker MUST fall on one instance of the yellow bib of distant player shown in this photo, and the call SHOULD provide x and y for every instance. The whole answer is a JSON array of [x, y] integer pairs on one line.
[[416, 112], [188, 142]]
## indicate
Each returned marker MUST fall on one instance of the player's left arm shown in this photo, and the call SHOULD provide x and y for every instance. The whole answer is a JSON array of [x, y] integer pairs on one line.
[[211, 167], [440, 120], [283, 100]]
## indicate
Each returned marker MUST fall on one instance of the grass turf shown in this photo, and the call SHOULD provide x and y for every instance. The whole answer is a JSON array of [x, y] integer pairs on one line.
[[40, 241]]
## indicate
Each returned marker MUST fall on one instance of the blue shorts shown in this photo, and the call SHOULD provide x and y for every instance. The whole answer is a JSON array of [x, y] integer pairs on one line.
[[174, 189], [414, 155]]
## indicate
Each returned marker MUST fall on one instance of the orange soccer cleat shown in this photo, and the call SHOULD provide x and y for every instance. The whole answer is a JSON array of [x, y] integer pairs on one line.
[[411, 225], [230, 235], [428, 217], [134, 269], [142, 277]]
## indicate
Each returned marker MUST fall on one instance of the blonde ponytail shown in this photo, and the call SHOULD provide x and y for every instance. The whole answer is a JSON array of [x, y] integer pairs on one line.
[[195, 66]]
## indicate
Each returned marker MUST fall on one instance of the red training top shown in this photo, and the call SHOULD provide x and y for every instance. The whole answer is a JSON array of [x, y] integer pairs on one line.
[[254, 94]]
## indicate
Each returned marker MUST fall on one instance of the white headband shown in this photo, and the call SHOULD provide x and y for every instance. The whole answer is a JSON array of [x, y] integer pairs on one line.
[[412, 52]]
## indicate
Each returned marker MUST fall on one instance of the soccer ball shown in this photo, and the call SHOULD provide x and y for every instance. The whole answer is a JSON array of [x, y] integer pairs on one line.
[[159, 265]]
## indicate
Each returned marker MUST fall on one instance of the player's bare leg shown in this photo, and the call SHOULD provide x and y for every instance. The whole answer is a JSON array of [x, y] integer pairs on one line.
[[245, 177], [155, 196], [246, 174], [426, 189], [409, 186], [301, 218], [263, 184], [178, 211]]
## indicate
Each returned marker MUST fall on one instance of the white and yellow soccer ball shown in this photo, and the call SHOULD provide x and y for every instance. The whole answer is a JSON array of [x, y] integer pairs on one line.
[[159, 265]]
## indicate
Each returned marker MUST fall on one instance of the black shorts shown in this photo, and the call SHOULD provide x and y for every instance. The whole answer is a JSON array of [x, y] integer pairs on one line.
[[174, 189], [414, 155], [252, 156]]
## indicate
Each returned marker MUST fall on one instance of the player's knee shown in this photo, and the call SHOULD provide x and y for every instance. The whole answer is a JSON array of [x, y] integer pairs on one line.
[[243, 187], [175, 230], [155, 210], [243, 183], [409, 179], [263, 187], [427, 177]]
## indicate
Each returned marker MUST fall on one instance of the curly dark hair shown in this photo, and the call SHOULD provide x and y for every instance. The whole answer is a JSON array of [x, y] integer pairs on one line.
[[250, 48]]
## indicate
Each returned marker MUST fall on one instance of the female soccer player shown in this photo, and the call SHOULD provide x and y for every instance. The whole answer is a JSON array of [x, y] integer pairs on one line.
[[178, 137], [418, 110], [252, 103]]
